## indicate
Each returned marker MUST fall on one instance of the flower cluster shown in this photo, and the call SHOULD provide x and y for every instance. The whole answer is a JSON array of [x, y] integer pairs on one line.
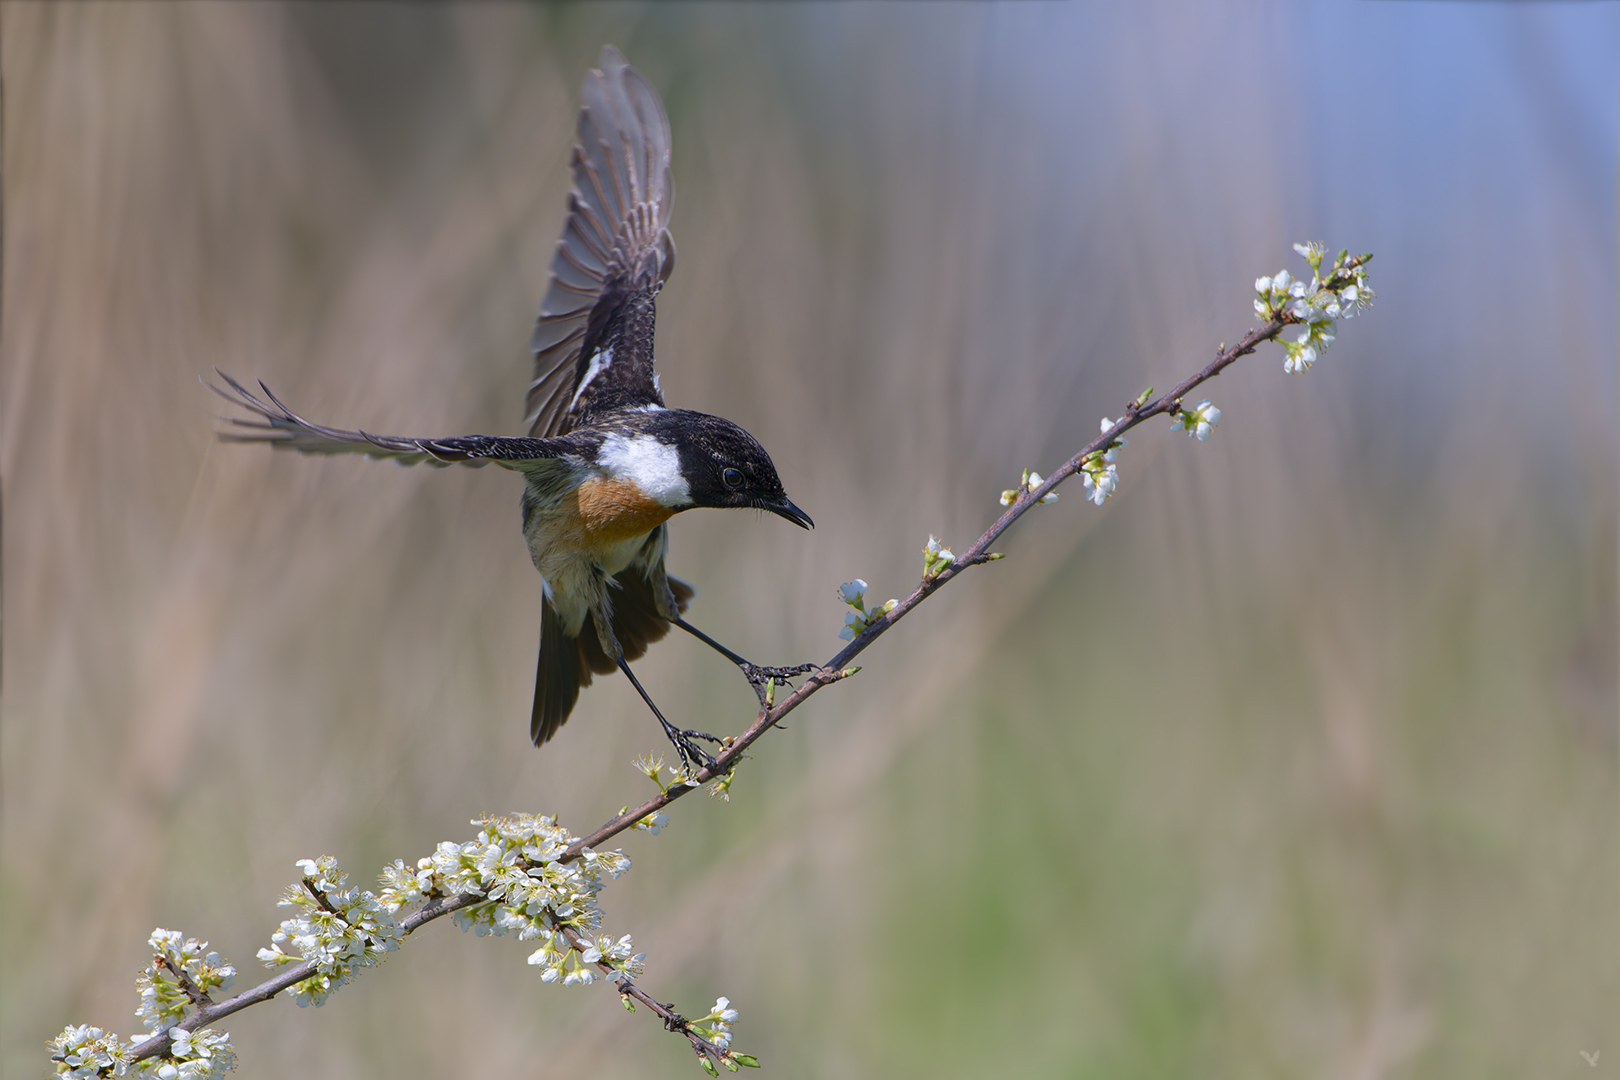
[[1099, 473], [177, 982], [936, 557], [514, 874], [716, 1027], [338, 929], [515, 863], [860, 616], [1030, 482], [89, 1051], [165, 995], [1338, 294], [192, 1055], [575, 964], [1198, 422]]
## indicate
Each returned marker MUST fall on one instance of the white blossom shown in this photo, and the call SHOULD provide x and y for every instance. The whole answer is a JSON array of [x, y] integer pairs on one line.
[[936, 557], [164, 999], [1029, 481], [1316, 306], [1198, 422], [338, 929], [1100, 481], [196, 1054], [85, 1051], [716, 1027], [857, 620], [654, 822]]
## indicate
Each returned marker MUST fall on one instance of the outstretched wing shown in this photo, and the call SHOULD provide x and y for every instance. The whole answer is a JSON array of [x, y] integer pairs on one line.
[[281, 427], [593, 340]]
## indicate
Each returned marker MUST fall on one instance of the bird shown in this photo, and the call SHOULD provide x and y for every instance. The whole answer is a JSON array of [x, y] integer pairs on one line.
[[605, 463]]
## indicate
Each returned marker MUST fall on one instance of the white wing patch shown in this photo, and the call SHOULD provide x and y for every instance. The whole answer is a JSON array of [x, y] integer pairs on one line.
[[601, 360], [655, 467]]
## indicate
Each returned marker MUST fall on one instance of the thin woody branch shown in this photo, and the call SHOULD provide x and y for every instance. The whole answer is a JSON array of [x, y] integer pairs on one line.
[[978, 552], [1346, 275], [673, 1021]]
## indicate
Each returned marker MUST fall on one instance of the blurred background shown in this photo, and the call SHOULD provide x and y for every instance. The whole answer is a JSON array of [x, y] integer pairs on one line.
[[1297, 758]]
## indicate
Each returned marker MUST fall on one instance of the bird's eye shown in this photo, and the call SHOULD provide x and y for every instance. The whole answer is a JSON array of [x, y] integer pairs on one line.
[[732, 477]]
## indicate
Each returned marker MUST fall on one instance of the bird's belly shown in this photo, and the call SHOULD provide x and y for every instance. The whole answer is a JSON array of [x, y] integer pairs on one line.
[[588, 536]]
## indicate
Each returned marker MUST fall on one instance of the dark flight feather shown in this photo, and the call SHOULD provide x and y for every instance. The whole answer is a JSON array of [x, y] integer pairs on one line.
[[614, 254], [284, 429]]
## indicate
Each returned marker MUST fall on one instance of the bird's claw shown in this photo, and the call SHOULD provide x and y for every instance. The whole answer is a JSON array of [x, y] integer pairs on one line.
[[761, 677], [693, 757]]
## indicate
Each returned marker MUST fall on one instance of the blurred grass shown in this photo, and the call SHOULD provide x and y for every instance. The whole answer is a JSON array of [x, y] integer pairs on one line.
[[1297, 759]]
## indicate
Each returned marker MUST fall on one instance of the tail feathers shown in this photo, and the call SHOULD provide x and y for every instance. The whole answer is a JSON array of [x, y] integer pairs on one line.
[[636, 621], [567, 663], [562, 671]]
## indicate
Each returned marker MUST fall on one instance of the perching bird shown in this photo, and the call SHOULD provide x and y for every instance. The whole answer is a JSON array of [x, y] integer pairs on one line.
[[605, 463]]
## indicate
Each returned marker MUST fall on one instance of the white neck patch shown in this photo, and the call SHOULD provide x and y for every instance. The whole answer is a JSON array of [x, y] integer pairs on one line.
[[655, 467]]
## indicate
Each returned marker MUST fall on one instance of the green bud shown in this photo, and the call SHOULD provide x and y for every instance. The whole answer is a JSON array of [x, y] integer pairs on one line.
[[994, 555], [708, 1066], [1144, 396], [629, 1006], [731, 1066], [746, 1059], [847, 672]]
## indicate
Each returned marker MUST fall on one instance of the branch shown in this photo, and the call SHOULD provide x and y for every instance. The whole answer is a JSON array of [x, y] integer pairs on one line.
[[1348, 273], [518, 870]]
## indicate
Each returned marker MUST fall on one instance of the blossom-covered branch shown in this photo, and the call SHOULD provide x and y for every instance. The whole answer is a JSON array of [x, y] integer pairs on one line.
[[1281, 301], [528, 876]]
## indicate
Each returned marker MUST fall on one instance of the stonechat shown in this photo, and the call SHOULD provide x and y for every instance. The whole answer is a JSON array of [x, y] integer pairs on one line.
[[605, 463]]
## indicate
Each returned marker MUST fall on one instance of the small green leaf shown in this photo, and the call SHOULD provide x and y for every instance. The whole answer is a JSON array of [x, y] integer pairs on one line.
[[708, 1066], [746, 1059]]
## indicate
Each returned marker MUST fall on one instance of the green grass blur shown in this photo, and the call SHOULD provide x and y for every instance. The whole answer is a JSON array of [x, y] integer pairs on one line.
[[1296, 759]]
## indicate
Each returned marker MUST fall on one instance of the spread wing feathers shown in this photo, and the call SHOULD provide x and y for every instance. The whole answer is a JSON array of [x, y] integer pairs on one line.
[[566, 663], [281, 427], [615, 247]]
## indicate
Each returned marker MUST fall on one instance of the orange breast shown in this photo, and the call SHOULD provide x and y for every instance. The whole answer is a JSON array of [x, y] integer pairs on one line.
[[616, 510]]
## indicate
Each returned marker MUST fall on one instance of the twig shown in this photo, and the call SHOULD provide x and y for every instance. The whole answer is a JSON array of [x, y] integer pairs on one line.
[[978, 552]]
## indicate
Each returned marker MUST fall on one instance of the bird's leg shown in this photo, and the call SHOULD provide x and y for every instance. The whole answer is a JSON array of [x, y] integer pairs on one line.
[[758, 676], [692, 755]]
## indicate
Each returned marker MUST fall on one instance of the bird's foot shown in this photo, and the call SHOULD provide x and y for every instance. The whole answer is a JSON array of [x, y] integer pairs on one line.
[[764, 678], [693, 757]]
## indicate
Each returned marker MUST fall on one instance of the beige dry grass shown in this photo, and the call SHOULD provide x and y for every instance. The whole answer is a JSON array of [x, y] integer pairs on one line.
[[1297, 759]]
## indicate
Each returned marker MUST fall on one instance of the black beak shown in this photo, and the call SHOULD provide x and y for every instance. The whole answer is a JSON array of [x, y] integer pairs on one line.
[[786, 509]]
